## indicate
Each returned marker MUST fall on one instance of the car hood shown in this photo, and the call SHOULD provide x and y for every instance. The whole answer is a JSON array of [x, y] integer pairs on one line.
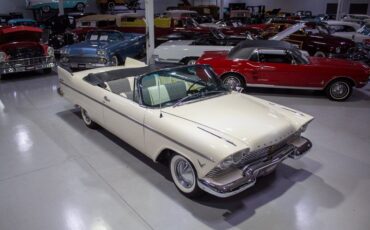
[[337, 64], [290, 30], [242, 118], [87, 47]]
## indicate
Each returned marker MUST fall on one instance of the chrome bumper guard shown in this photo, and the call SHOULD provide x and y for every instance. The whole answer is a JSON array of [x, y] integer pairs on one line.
[[27, 64], [247, 177]]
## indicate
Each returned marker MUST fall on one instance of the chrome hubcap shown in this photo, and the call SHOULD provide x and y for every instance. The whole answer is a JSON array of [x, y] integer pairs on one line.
[[232, 82], [86, 117], [192, 62], [80, 7], [339, 90], [184, 173]]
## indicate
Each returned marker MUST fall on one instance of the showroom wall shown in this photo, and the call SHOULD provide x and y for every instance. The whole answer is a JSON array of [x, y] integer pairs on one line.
[[316, 6]]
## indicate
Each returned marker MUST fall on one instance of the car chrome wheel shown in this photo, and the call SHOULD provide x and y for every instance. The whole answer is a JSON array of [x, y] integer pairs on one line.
[[46, 9], [115, 61], [339, 90], [111, 5], [192, 61], [184, 176], [87, 120], [80, 7], [232, 82]]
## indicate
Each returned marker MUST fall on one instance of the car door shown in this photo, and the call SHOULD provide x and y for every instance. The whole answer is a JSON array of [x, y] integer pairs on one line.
[[124, 117], [276, 68]]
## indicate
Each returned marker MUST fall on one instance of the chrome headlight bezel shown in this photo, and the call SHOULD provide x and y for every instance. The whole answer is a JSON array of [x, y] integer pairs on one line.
[[337, 50], [50, 51], [101, 52], [233, 159], [2, 56]]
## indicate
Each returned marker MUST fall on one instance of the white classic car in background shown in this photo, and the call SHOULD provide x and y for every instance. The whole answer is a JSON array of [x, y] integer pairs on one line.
[[214, 140], [349, 30], [188, 51]]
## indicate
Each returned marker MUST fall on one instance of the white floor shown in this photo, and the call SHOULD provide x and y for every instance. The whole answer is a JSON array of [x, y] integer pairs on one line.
[[55, 173]]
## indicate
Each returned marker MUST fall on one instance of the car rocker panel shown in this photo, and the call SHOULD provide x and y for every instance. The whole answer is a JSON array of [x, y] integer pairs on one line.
[[103, 48], [20, 50], [171, 108]]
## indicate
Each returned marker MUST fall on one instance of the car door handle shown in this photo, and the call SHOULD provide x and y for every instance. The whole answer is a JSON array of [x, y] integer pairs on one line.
[[106, 98]]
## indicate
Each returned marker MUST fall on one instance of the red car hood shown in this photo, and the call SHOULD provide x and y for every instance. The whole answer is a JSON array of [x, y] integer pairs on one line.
[[20, 33]]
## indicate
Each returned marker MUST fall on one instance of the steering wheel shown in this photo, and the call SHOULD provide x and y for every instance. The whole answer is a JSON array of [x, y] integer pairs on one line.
[[192, 85]]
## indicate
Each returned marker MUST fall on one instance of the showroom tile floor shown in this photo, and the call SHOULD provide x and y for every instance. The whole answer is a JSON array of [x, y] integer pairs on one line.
[[55, 173]]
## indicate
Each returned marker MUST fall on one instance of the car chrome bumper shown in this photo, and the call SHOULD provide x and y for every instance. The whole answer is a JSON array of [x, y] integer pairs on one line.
[[240, 180], [27, 64]]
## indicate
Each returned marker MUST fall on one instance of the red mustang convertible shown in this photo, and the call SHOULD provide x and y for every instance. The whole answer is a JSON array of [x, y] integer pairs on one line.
[[279, 64]]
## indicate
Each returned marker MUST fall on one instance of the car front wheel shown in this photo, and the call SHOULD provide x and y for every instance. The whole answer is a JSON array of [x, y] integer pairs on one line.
[[233, 81], [184, 176], [115, 61], [339, 90], [80, 7]]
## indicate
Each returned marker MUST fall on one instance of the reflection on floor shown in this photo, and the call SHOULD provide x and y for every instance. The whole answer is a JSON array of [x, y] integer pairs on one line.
[[55, 173]]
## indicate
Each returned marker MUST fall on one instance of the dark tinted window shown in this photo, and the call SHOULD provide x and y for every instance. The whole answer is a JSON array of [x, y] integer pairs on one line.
[[275, 58], [254, 57]]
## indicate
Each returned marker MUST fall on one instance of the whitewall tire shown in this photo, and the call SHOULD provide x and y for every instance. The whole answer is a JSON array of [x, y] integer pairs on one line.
[[339, 90], [87, 120], [184, 176]]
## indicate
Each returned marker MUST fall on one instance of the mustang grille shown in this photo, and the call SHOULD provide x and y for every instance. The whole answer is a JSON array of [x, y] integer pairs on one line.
[[249, 158]]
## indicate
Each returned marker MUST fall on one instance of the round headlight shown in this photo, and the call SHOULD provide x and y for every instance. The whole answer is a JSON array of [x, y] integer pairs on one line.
[[337, 50], [237, 157], [2, 56], [226, 163], [100, 52], [50, 51]]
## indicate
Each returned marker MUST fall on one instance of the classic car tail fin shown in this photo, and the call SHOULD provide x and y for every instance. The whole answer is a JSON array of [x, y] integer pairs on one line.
[[130, 62], [64, 73]]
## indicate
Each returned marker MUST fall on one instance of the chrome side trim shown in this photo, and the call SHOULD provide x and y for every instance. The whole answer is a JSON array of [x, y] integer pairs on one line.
[[282, 87], [141, 124], [230, 142]]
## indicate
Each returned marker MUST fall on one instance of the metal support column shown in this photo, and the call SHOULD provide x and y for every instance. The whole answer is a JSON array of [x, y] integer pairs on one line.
[[221, 11], [149, 19], [61, 7], [339, 9]]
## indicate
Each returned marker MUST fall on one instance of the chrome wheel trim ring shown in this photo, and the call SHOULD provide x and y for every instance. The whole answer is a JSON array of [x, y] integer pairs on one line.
[[114, 61], [80, 7], [233, 82], [111, 5], [86, 117], [192, 62], [46, 9], [339, 90], [183, 174]]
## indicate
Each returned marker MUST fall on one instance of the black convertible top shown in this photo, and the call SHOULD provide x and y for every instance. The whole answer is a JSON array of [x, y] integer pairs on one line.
[[99, 78], [244, 49]]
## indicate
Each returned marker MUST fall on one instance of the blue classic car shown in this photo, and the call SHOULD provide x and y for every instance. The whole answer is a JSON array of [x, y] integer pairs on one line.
[[103, 48], [47, 5], [22, 22]]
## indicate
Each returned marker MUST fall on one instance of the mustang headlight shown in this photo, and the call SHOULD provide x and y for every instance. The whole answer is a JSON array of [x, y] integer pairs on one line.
[[101, 52], [50, 51], [2, 56]]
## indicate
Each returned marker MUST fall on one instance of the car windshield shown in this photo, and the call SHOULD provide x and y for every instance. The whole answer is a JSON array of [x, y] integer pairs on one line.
[[175, 86], [365, 30], [104, 36]]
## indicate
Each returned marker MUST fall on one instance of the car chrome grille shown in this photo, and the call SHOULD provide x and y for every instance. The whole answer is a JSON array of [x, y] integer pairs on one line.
[[26, 62], [249, 158], [22, 52], [83, 60]]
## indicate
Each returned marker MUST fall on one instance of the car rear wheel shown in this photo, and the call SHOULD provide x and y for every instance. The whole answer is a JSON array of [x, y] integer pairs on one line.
[[115, 61], [80, 7], [233, 81], [184, 176], [339, 90], [319, 54], [46, 9], [87, 120], [111, 6]]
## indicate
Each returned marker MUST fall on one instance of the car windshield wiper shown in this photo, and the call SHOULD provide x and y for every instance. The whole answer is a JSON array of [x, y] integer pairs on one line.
[[186, 98]]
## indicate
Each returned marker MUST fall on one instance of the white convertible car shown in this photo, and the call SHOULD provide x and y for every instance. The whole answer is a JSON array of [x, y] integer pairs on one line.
[[213, 139], [348, 30], [188, 51]]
